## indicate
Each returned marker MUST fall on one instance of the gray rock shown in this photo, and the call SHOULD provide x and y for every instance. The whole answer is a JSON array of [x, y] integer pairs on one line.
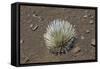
[[21, 41], [34, 28], [76, 50], [91, 17], [31, 25], [93, 42], [85, 16], [91, 21], [34, 15], [87, 31]]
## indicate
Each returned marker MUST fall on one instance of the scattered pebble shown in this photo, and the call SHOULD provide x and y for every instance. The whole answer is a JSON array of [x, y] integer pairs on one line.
[[87, 31], [76, 50], [78, 54], [34, 15], [91, 17], [82, 37], [93, 42], [91, 21], [21, 41], [85, 16], [31, 25], [35, 27]]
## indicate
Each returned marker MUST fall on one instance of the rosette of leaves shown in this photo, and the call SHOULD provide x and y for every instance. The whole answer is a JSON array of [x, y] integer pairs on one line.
[[59, 36]]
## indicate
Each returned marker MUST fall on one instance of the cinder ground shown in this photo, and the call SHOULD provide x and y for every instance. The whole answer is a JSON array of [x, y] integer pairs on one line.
[[33, 23]]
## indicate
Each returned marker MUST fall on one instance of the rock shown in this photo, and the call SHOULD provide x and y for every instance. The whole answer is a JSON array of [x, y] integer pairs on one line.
[[34, 28], [34, 15], [91, 22], [78, 54], [87, 31], [76, 50], [31, 25], [82, 37], [93, 42], [21, 41], [85, 16], [91, 17]]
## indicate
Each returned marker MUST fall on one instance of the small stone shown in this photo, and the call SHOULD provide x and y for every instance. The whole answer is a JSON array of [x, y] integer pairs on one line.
[[78, 54], [76, 50], [85, 16], [21, 41], [82, 37], [91, 21], [35, 28], [87, 31], [34, 15], [93, 42], [31, 25], [91, 17]]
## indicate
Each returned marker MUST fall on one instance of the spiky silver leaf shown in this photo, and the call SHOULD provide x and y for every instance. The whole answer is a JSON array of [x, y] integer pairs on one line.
[[59, 36]]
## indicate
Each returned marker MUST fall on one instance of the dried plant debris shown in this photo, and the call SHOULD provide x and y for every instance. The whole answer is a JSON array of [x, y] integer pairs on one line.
[[93, 42], [59, 37]]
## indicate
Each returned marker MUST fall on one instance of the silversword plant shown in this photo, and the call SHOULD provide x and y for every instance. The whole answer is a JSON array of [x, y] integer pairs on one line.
[[59, 37]]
